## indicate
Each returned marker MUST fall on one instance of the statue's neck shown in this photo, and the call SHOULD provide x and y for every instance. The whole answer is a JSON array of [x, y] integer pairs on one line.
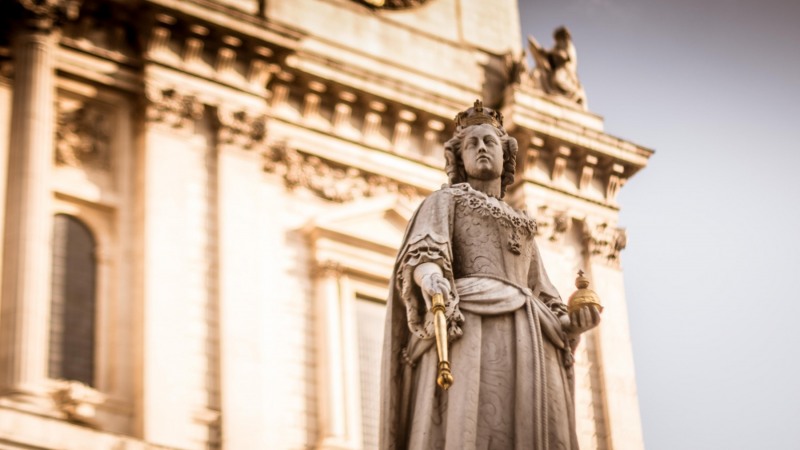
[[488, 187]]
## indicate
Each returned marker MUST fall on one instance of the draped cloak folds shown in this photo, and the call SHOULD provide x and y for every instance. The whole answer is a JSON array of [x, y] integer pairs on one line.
[[511, 361]]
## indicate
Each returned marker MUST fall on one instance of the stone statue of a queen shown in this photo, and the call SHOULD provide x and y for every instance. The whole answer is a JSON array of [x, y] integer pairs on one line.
[[511, 338]]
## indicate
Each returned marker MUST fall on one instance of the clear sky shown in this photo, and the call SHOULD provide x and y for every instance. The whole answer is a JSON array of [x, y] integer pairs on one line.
[[713, 258]]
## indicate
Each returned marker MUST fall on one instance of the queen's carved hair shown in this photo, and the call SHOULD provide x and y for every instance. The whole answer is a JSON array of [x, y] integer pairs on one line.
[[455, 164]]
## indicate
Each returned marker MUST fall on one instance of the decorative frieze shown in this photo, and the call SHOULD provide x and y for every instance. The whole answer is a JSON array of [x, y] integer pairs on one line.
[[83, 135], [327, 179], [240, 128], [575, 170], [222, 55], [171, 107], [603, 243]]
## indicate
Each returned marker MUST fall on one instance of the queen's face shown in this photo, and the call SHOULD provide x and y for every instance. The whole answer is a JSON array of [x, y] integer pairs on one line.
[[482, 153]]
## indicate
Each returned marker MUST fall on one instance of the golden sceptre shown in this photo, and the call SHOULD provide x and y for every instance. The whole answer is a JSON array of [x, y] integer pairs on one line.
[[445, 378]]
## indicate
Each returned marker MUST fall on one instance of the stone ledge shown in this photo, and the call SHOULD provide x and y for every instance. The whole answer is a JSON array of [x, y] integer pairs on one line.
[[24, 430]]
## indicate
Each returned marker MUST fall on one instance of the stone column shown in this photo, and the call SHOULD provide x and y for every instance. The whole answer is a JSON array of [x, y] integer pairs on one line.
[[244, 261], [339, 421], [25, 316], [174, 298], [602, 246]]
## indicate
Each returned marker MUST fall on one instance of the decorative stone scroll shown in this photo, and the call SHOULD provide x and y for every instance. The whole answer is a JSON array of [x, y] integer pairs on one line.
[[83, 136], [240, 128], [327, 179], [603, 242], [172, 107]]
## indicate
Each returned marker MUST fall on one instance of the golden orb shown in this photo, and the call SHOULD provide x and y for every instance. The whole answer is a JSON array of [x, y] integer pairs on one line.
[[583, 296]]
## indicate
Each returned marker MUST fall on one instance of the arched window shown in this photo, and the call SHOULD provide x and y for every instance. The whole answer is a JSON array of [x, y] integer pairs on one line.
[[72, 316]]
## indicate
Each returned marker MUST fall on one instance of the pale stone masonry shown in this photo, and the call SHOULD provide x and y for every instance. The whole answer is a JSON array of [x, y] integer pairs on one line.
[[246, 169]]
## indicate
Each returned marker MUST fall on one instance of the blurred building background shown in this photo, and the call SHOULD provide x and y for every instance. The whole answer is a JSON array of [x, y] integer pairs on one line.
[[203, 200]]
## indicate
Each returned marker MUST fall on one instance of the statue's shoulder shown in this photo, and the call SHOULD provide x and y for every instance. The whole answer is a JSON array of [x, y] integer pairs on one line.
[[453, 190], [443, 198], [446, 194]]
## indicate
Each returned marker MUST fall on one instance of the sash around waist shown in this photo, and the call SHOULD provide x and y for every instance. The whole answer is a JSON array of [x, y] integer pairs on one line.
[[486, 296], [490, 296]]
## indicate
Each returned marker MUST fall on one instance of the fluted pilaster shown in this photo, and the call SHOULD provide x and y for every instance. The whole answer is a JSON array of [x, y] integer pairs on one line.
[[27, 256]]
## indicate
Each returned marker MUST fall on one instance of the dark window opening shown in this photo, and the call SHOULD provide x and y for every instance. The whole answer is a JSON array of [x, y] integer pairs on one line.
[[72, 314]]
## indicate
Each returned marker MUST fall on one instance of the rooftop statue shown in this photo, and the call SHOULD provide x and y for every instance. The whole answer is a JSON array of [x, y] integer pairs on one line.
[[478, 350], [557, 69]]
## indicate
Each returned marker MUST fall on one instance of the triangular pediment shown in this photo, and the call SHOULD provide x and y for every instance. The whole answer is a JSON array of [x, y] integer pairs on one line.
[[377, 221]]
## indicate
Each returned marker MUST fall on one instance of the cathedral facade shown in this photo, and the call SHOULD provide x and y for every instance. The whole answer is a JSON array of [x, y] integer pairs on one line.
[[203, 200]]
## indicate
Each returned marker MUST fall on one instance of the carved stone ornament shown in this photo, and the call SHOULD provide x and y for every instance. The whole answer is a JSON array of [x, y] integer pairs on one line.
[[556, 69], [172, 107], [328, 268], [76, 400], [603, 242], [328, 180], [392, 4], [83, 136], [241, 129], [44, 15], [553, 224]]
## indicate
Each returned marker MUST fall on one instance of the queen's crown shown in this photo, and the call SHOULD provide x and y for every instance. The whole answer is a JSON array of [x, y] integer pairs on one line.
[[477, 115]]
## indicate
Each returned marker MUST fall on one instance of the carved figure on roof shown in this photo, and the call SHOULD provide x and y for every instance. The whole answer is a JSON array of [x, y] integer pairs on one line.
[[557, 69], [472, 304]]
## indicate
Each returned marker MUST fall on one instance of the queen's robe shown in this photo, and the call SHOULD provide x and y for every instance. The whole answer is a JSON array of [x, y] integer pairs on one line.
[[510, 358]]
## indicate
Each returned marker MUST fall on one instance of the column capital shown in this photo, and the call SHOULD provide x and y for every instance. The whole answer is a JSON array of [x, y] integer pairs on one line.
[[603, 242], [328, 268], [47, 15]]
